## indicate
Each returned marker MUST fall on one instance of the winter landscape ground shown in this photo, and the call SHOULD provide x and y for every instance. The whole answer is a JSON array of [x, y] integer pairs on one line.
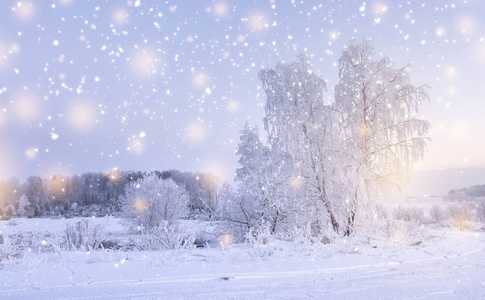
[[437, 262]]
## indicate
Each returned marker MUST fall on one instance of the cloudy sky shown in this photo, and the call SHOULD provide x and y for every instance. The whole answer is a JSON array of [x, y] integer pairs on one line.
[[145, 84]]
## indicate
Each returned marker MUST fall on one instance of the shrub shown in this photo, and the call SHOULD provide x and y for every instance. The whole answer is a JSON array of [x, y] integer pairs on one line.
[[460, 216], [165, 236], [480, 207], [152, 200], [10, 247], [411, 214], [437, 214], [84, 235], [262, 241]]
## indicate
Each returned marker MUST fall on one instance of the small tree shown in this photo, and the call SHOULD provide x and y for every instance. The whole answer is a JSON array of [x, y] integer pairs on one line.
[[262, 179], [153, 200], [23, 203]]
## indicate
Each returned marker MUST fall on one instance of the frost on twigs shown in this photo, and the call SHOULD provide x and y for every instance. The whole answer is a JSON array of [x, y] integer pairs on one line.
[[329, 164], [151, 201], [84, 235]]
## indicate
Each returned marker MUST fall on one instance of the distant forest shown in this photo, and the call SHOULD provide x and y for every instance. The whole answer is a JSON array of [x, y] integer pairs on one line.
[[96, 194], [467, 193]]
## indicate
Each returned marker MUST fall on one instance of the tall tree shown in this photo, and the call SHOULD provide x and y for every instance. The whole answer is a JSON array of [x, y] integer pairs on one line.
[[378, 107], [299, 123]]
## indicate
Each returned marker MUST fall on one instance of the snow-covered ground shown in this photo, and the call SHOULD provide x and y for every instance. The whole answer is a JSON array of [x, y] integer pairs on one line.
[[449, 264]]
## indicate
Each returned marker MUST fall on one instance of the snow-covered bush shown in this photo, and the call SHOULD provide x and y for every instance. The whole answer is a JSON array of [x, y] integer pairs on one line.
[[480, 207], [152, 200], [165, 236], [207, 234], [84, 235], [262, 243], [409, 214], [22, 206], [305, 238], [461, 215], [8, 212], [10, 247], [437, 214]]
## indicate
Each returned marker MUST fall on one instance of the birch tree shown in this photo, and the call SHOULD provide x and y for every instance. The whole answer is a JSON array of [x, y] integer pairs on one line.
[[378, 108], [298, 122]]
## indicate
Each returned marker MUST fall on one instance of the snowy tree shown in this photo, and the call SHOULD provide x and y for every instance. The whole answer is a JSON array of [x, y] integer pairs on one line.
[[208, 192], [23, 204], [262, 179], [35, 191], [153, 200], [383, 136], [299, 123]]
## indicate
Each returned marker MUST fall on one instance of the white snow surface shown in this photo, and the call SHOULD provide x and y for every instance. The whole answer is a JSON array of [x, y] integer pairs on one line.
[[451, 265]]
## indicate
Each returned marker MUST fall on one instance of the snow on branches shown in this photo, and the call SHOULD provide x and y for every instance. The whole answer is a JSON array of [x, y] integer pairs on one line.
[[346, 156]]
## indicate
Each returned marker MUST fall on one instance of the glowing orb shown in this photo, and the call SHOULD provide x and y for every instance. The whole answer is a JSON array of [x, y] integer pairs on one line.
[[121, 16], [196, 132], [296, 182], [200, 80], [82, 115], [440, 31], [450, 72], [227, 240], [136, 145], [26, 107], [24, 10], [257, 21], [233, 106], [145, 63], [32, 153], [140, 205], [379, 8], [466, 24], [220, 9]]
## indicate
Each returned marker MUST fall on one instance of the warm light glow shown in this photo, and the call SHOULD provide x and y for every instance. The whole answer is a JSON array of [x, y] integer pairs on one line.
[[466, 24], [82, 115], [140, 205], [397, 236], [145, 62], [196, 132], [32, 153], [199, 79], [450, 72], [440, 31], [296, 182], [220, 9], [24, 10], [26, 106], [227, 240], [256, 21], [334, 35], [136, 145], [121, 16], [379, 8], [113, 176], [233, 106]]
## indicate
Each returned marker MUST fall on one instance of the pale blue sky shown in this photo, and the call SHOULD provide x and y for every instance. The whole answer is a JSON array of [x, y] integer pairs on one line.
[[142, 85]]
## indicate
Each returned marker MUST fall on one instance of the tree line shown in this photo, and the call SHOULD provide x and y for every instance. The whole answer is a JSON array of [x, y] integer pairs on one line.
[[97, 193]]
